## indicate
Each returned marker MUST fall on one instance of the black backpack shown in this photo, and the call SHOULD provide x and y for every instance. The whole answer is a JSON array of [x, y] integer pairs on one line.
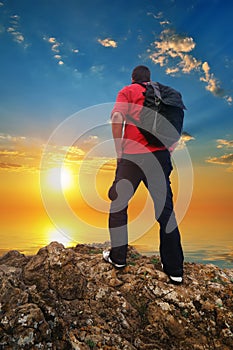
[[161, 118]]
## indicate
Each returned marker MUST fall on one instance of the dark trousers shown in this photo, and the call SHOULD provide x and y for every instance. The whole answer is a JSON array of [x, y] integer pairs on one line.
[[154, 170]]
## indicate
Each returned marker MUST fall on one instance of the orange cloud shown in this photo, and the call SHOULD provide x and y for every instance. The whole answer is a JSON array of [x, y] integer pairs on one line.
[[185, 137], [24, 154], [221, 143], [19, 153], [10, 166], [226, 159], [108, 42]]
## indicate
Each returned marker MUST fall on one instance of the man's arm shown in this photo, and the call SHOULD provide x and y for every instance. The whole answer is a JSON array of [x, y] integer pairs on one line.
[[117, 128]]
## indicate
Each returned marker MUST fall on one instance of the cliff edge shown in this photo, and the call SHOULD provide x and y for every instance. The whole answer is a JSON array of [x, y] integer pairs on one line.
[[69, 298]]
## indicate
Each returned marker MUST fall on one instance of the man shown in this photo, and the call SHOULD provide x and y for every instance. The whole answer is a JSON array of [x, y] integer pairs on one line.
[[139, 161]]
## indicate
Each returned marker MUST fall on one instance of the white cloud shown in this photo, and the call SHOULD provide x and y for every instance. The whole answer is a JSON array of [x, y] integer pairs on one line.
[[162, 23], [189, 63], [228, 99], [159, 59], [97, 69], [172, 71], [56, 49], [108, 42], [91, 140], [158, 16], [13, 30], [17, 17], [10, 138], [212, 83], [174, 44], [19, 37], [73, 151], [171, 46], [174, 51], [1, 4], [61, 51]]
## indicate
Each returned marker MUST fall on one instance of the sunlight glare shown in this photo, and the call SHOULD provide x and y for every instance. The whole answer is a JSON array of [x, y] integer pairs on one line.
[[55, 235], [60, 178]]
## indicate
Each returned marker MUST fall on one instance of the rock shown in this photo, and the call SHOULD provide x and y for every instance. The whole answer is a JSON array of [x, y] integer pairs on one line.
[[69, 298], [14, 258]]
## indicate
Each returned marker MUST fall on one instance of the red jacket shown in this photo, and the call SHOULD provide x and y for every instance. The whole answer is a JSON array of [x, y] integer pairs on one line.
[[130, 101]]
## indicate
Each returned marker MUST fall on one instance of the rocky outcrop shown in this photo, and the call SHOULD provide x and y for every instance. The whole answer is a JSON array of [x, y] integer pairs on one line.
[[69, 298]]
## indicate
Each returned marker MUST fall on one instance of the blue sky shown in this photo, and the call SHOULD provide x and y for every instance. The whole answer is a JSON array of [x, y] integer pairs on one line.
[[58, 57]]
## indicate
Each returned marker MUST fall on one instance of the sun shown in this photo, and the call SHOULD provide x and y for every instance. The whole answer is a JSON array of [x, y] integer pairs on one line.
[[59, 178], [55, 235]]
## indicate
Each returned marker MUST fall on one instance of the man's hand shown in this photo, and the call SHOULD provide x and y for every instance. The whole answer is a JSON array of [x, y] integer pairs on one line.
[[117, 127]]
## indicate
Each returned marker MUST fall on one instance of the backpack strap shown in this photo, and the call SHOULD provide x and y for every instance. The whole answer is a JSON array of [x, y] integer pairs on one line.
[[155, 87], [135, 122], [157, 97], [156, 90]]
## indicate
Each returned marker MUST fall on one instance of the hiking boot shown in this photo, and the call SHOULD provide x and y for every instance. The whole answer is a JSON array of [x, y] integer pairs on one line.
[[174, 279], [106, 257]]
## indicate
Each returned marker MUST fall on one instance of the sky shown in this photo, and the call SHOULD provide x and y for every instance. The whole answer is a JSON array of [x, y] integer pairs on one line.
[[61, 66]]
